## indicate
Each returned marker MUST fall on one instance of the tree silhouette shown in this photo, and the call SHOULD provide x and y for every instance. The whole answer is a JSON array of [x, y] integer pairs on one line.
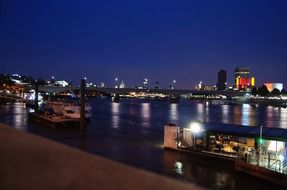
[[275, 92], [263, 91], [254, 91]]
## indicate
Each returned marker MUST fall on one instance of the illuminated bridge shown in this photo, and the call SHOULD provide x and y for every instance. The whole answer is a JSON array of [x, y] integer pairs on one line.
[[118, 91]]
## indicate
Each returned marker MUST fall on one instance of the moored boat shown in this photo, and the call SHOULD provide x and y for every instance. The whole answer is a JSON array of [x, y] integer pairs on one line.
[[67, 108]]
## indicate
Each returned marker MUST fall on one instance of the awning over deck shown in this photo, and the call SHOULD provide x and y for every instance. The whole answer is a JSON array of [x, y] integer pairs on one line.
[[247, 131]]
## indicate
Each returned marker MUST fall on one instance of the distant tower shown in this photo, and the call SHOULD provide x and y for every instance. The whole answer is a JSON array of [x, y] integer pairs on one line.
[[145, 83], [102, 85], [221, 80], [122, 85]]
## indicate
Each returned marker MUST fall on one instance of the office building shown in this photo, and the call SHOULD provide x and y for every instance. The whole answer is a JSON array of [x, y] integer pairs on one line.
[[221, 80], [242, 78]]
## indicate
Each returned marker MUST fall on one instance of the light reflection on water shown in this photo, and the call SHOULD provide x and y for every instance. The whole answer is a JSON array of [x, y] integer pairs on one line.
[[115, 113], [181, 114], [15, 115], [283, 117], [245, 119], [173, 112], [206, 115], [225, 112], [145, 114], [200, 111]]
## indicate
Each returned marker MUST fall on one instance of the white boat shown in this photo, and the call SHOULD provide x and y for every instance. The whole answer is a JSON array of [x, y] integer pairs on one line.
[[71, 109], [30, 99]]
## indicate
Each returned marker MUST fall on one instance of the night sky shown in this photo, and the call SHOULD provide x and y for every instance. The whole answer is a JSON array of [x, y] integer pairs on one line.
[[160, 40]]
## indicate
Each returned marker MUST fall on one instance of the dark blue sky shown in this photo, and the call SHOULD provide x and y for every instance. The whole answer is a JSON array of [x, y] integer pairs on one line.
[[161, 40]]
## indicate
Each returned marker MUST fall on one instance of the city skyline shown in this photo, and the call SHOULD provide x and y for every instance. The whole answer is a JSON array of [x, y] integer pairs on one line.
[[186, 41]]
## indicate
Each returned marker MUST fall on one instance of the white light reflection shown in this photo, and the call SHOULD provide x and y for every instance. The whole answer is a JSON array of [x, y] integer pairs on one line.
[[283, 118], [225, 117], [173, 115], [220, 180], [115, 114], [245, 119], [269, 121], [19, 116], [145, 114], [206, 113], [200, 112], [178, 167]]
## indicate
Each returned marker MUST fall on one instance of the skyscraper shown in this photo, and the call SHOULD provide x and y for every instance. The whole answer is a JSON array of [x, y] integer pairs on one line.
[[145, 83], [221, 80]]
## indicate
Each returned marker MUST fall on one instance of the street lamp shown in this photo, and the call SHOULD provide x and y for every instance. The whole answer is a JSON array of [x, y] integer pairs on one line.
[[53, 80], [260, 142], [195, 128], [173, 84], [116, 80]]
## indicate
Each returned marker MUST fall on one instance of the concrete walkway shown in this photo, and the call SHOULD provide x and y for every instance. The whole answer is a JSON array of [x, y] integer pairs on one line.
[[32, 162]]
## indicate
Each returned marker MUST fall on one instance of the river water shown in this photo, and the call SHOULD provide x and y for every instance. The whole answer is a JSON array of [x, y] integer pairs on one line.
[[131, 132]]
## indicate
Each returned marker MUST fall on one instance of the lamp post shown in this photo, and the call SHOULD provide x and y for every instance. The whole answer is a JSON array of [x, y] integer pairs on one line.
[[53, 80], [260, 145], [116, 81]]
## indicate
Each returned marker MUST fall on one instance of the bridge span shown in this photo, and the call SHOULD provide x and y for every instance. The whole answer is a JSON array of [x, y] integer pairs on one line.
[[176, 92]]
